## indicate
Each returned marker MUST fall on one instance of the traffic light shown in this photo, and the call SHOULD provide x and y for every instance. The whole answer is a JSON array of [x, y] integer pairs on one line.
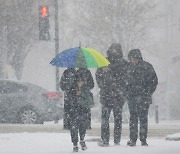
[[44, 23]]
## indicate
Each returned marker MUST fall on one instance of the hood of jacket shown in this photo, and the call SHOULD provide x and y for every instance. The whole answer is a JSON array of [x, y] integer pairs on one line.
[[135, 53], [114, 52]]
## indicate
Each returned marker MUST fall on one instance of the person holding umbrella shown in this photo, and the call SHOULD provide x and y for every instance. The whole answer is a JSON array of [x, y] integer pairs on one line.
[[68, 85], [77, 103], [76, 85]]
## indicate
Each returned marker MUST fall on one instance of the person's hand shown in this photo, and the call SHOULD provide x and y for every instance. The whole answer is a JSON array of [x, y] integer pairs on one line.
[[78, 93], [80, 83]]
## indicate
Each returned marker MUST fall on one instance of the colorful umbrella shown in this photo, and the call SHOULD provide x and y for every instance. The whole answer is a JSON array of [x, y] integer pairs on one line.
[[80, 58]]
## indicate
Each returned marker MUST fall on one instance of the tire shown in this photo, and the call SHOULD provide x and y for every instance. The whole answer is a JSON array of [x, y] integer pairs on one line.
[[28, 115]]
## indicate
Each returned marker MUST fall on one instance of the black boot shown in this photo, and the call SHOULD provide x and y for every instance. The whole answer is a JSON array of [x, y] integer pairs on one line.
[[144, 143], [103, 144], [131, 143], [83, 145], [75, 149], [116, 143]]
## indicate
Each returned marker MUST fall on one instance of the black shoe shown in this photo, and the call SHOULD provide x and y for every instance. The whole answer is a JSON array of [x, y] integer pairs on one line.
[[83, 145], [131, 143], [103, 144], [116, 143], [144, 143], [75, 149]]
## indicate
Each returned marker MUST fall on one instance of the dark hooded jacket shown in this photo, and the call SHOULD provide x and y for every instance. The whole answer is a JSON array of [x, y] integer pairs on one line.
[[143, 79], [85, 76], [112, 79], [86, 97], [68, 84], [118, 66]]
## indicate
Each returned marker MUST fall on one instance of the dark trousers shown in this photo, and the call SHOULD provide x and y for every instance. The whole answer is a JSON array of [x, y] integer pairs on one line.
[[105, 131], [138, 107], [78, 124]]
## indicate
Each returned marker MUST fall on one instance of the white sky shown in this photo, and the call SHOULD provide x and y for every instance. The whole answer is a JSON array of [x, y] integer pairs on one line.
[[59, 143]]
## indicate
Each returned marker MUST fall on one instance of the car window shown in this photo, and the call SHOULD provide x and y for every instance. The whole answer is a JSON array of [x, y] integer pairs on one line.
[[11, 87]]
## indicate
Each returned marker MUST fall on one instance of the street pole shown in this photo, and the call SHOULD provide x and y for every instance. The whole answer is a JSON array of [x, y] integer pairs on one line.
[[4, 57], [156, 114], [56, 41]]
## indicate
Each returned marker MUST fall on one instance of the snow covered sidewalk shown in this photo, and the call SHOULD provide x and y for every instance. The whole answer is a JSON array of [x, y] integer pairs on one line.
[[173, 137], [59, 143]]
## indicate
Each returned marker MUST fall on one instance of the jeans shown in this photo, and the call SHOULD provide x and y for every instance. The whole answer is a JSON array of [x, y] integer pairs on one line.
[[105, 131], [78, 124], [138, 107]]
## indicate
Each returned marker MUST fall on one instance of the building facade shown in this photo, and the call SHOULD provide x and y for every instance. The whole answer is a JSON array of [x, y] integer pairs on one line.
[[173, 46]]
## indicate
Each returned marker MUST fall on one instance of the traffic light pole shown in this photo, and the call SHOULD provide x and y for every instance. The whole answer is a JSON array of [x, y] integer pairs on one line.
[[56, 41]]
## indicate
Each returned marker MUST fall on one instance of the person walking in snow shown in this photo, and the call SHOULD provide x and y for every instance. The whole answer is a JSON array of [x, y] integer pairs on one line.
[[142, 84], [78, 100], [112, 83], [68, 85]]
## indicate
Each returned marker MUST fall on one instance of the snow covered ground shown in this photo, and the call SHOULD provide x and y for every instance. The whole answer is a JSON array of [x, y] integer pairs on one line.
[[59, 143]]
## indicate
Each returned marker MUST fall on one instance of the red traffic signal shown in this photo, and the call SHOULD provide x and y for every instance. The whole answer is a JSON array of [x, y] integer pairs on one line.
[[44, 11], [44, 24]]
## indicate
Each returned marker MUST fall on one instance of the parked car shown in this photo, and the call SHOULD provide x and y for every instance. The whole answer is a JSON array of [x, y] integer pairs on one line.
[[26, 103]]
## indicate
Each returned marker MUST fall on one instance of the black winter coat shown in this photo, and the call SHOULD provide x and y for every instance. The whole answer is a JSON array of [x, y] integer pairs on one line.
[[143, 79], [119, 74], [85, 99], [68, 84], [86, 77], [112, 79], [107, 86], [112, 83]]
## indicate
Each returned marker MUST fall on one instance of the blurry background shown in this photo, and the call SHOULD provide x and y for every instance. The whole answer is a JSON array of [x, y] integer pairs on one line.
[[152, 26]]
